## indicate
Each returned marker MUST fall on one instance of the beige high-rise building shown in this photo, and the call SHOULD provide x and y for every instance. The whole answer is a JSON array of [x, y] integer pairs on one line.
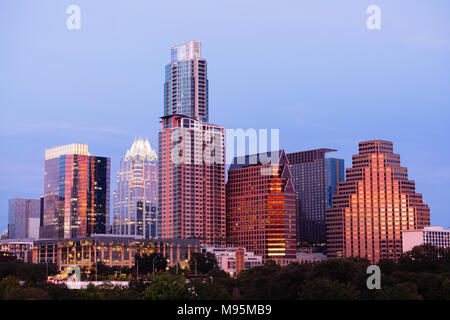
[[191, 155]]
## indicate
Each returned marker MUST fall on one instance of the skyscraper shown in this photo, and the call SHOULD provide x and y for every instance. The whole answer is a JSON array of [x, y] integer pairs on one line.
[[334, 173], [374, 205], [261, 207], [186, 85], [136, 197], [23, 218], [315, 179], [191, 154], [76, 193]]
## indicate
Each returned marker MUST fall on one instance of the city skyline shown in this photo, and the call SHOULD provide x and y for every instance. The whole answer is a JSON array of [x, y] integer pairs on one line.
[[419, 105]]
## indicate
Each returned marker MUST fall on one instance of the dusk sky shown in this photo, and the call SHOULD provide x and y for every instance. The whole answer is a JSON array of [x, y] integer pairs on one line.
[[309, 68]]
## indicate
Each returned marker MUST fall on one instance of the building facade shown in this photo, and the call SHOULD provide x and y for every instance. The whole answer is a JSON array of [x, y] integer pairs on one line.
[[23, 218], [373, 206], [112, 250], [136, 197], [191, 154], [261, 207], [435, 236], [315, 180], [76, 193], [186, 85], [234, 260], [191, 180], [334, 173], [21, 248]]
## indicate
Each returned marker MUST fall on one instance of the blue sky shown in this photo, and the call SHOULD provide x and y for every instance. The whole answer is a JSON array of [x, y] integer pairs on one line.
[[310, 68]]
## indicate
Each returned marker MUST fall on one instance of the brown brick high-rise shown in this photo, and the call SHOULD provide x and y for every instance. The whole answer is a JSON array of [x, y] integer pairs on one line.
[[374, 205]]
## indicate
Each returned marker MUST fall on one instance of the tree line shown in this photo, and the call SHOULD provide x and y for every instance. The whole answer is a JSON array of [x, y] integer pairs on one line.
[[421, 274]]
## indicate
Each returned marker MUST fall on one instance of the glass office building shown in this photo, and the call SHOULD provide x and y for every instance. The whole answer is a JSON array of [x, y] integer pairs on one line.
[[23, 218], [261, 207], [315, 179], [76, 193], [136, 196], [374, 206], [186, 84], [192, 191], [334, 173]]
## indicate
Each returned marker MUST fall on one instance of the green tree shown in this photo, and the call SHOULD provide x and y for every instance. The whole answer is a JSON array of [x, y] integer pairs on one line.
[[285, 284], [57, 291], [91, 293], [208, 290], [145, 262], [166, 286], [223, 278], [10, 282], [31, 272], [424, 258], [400, 291], [202, 262], [350, 270], [326, 289], [254, 283]]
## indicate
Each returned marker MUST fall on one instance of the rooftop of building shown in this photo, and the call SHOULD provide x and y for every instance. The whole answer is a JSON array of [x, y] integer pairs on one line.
[[257, 159], [68, 149], [141, 150], [376, 146], [125, 238], [186, 51], [430, 228], [23, 240], [320, 150]]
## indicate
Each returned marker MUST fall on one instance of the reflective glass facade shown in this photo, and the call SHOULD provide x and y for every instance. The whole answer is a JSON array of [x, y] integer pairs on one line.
[[114, 251], [191, 192], [136, 196], [23, 218], [76, 195], [315, 179], [334, 173], [186, 83], [373, 206], [261, 212]]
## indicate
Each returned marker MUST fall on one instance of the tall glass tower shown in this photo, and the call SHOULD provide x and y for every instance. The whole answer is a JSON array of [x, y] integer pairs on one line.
[[334, 173], [192, 191], [76, 193], [186, 85], [136, 197], [315, 179]]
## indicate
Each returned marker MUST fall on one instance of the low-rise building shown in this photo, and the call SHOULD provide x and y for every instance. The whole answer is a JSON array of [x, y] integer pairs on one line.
[[234, 259], [112, 250], [435, 236], [21, 248], [302, 257]]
